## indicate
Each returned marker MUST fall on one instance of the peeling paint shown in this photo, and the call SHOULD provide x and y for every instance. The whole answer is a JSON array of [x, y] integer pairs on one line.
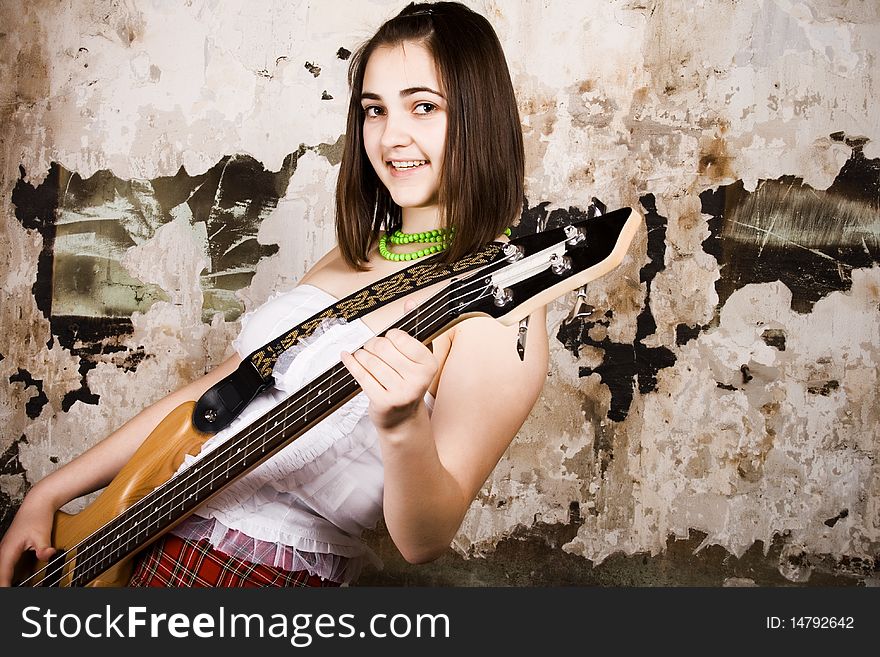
[[810, 239], [713, 420]]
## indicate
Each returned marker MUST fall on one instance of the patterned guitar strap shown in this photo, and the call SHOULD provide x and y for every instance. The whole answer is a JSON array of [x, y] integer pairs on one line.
[[222, 403]]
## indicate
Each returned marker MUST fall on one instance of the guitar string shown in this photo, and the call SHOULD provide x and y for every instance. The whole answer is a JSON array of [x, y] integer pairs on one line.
[[227, 448], [283, 406], [417, 314]]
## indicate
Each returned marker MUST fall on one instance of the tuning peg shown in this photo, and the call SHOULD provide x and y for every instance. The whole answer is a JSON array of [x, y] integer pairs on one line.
[[521, 338], [501, 296], [513, 252], [574, 235], [560, 264], [581, 309]]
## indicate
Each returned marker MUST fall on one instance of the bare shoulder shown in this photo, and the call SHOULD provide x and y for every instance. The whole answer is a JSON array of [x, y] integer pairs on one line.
[[484, 342], [485, 394], [484, 327], [329, 260]]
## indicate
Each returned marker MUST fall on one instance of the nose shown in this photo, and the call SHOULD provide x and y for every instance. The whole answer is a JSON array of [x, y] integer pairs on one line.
[[395, 131]]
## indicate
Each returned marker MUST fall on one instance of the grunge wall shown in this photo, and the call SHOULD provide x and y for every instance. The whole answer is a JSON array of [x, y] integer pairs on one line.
[[166, 167]]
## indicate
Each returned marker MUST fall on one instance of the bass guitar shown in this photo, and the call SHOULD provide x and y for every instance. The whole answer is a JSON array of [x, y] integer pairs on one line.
[[95, 547]]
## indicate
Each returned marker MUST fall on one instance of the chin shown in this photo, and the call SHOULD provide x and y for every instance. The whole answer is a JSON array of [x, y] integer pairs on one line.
[[414, 200]]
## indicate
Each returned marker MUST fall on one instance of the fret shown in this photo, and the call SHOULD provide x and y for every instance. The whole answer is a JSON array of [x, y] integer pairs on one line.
[[251, 445], [212, 459], [528, 273]]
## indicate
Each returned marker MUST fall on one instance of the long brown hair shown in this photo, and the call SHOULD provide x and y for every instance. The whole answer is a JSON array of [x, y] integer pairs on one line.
[[481, 182]]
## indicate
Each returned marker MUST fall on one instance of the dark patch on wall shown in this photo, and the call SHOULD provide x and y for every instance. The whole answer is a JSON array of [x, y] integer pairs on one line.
[[34, 405], [332, 152], [314, 69], [343, 54], [93, 340], [715, 223], [35, 210], [8, 509], [87, 225], [833, 521], [91, 336], [83, 393], [774, 338], [684, 333], [533, 556], [235, 197], [132, 358], [109, 215], [859, 177], [625, 366], [825, 388], [10, 463], [785, 230]]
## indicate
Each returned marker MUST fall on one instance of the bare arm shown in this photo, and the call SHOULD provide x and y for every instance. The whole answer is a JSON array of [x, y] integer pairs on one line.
[[96, 467], [435, 466], [88, 472]]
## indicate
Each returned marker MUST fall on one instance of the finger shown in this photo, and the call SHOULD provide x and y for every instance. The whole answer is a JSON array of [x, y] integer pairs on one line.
[[366, 380], [385, 349], [379, 366], [5, 572], [9, 557], [41, 545], [410, 347], [45, 553]]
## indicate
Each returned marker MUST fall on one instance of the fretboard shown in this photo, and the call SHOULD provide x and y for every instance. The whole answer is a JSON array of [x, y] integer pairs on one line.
[[169, 503]]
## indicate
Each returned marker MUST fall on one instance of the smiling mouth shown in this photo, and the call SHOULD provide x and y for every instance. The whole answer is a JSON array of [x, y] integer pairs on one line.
[[407, 165]]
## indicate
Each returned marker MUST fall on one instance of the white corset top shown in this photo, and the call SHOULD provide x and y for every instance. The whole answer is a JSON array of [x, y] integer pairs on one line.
[[307, 506]]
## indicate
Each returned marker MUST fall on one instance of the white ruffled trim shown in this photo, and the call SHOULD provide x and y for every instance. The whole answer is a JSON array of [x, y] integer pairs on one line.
[[297, 470], [313, 355], [320, 560], [294, 465], [291, 511]]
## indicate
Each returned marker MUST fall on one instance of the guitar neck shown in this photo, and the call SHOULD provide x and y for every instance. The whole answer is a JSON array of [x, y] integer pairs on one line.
[[534, 271], [171, 502]]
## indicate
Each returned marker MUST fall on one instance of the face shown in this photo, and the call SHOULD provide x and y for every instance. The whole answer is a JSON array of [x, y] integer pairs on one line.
[[405, 118]]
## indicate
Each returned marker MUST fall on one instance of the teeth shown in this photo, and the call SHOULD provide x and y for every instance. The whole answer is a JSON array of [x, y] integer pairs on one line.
[[408, 164]]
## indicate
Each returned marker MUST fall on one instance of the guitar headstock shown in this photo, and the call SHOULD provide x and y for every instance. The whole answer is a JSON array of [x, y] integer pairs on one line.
[[541, 267]]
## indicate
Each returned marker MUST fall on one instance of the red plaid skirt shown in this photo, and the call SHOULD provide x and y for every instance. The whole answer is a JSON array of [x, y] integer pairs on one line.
[[176, 562]]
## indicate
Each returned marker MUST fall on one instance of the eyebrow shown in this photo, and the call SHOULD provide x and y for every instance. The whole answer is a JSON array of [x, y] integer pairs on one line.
[[409, 91]]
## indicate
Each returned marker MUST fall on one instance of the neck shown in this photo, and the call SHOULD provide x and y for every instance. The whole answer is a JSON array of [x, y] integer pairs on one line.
[[418, 220]]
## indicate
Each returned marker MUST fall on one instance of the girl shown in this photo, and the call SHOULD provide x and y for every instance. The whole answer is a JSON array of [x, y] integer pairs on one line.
[[434, 152]]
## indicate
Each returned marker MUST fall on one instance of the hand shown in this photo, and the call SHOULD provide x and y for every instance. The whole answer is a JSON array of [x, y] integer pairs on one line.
[[30, 530], [395, 371]]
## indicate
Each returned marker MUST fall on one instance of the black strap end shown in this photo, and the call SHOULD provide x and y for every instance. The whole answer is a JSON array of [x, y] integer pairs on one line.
[[222, 403]]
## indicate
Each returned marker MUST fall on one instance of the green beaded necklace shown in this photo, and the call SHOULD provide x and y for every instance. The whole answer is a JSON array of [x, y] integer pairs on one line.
[[439, 239]]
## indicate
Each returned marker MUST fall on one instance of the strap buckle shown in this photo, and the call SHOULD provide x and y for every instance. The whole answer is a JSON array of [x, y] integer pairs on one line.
[[222, 403]]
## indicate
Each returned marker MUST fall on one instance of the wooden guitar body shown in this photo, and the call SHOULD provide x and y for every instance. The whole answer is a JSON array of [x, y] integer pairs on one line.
[[153, 463], [146, 499]]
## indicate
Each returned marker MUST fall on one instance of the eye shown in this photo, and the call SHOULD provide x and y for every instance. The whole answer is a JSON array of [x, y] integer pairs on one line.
[[372, 111], [425, 108]]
